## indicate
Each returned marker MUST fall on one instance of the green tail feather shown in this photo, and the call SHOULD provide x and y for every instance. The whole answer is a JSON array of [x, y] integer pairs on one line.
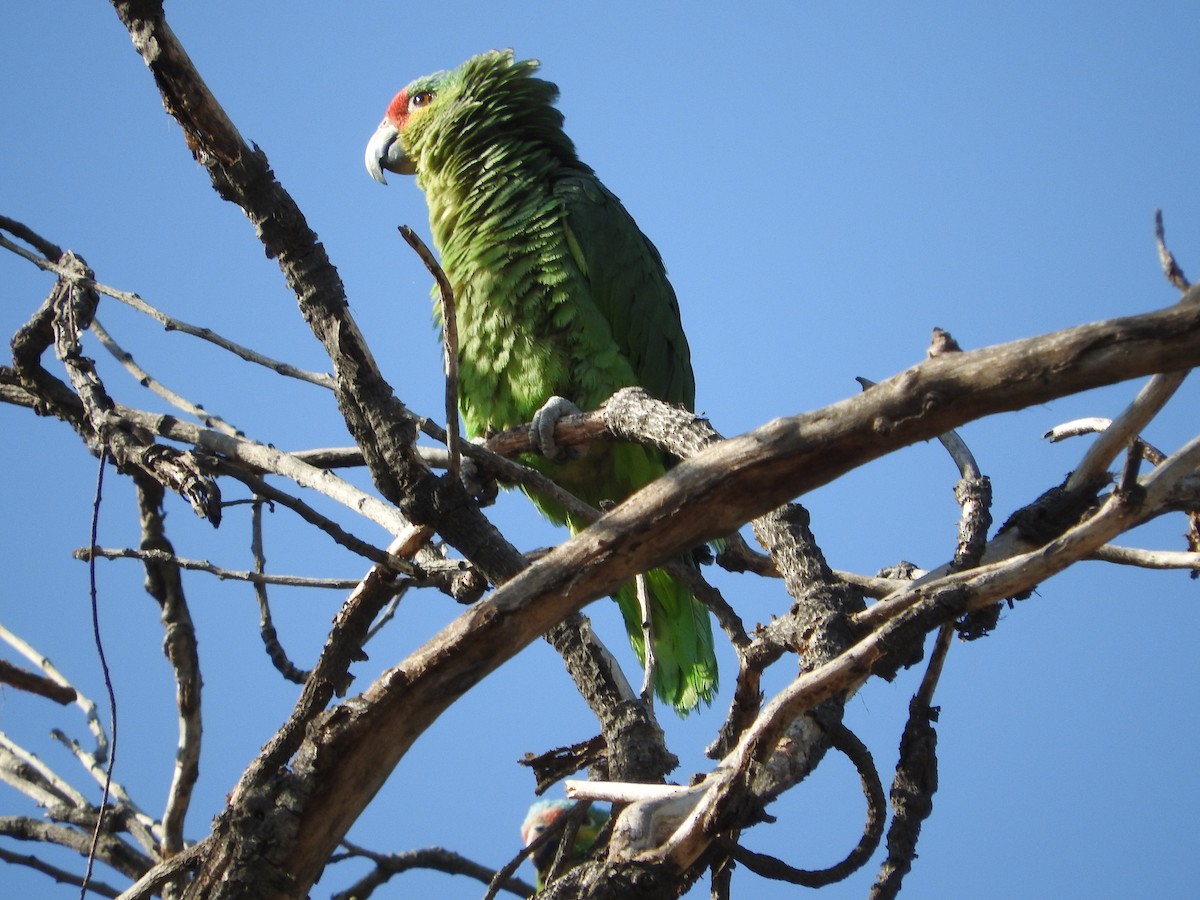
[[686, 672]]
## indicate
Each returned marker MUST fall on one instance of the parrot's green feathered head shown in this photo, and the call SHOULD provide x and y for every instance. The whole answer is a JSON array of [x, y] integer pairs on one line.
[[445, 123]]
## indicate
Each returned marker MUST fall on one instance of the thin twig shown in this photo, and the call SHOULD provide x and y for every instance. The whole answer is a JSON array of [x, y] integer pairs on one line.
[[1094, 425], [200, 565], [1147, 559], [155, 386], [112, 850], [265, 458], [933, 673], [127, 814], [108, 685], [33, 778], [1169, 266], [266, 629], [48, 249], [1076, 428], [62, 876], [172, 324], [263, 488], [650, 661], [85, 704], [449, 318], [435, 858]]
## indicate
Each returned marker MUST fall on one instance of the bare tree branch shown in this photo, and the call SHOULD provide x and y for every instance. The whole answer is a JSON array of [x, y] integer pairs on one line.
[[200, 565], [61, 876], [164, 584], [133, 300], [439, 859], [36, 684]]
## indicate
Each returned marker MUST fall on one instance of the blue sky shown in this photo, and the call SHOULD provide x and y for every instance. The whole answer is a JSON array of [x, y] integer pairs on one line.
[[826, 183]]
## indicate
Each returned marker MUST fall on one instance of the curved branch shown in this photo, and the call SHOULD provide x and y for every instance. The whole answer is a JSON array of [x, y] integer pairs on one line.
[[770, 867], [435, 858]]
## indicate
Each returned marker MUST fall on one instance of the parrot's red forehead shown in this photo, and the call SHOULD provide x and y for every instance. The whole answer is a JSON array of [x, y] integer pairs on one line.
[[397, 110]]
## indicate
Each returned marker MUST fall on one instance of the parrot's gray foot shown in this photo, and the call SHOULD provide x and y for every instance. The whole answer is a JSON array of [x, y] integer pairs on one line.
[[543, 424], [479, 484]]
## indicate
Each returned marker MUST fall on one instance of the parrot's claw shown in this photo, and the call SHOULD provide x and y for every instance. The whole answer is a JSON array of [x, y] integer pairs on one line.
[[542, 431]]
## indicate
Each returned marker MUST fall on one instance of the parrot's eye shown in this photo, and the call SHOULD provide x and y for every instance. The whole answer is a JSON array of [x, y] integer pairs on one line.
[[421, 99]]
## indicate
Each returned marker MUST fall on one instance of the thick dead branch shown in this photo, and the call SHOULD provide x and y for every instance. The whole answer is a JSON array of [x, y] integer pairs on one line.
[[383, 428]]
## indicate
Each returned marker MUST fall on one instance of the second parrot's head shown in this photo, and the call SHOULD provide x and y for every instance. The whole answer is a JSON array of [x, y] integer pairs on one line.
[[454, 116]]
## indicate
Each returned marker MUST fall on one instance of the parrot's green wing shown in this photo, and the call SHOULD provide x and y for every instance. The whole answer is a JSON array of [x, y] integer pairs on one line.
[[629, 287]]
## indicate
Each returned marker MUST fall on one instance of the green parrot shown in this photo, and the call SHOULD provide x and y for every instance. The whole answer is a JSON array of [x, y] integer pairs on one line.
[[545, 813], [558, 295]]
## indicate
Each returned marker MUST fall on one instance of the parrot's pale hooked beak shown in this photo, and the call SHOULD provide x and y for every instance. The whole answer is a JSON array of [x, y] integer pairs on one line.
[[384, 152]]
